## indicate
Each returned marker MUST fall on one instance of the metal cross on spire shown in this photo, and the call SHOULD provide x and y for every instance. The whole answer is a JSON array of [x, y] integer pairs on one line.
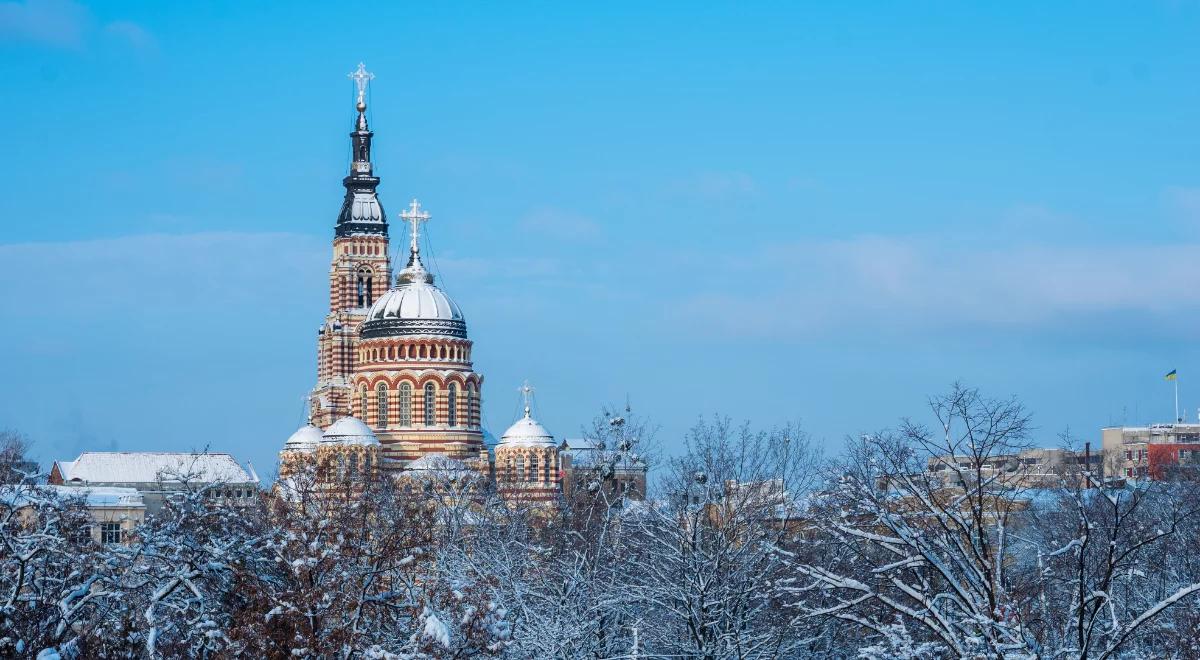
[[526, 391], [415, 216], [361, 77]]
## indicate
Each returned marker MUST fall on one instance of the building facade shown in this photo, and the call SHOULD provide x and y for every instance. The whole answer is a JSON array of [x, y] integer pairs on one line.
[[157, 476], [1157, 451]]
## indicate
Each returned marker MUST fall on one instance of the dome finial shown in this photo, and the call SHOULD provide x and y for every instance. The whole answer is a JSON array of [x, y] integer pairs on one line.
[[526, 391], [415, 270]]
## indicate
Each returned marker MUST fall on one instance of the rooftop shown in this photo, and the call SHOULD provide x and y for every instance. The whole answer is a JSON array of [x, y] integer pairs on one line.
[[147, 467]]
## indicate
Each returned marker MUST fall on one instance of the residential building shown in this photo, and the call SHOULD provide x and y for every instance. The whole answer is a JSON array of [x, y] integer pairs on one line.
[[1030, 468]]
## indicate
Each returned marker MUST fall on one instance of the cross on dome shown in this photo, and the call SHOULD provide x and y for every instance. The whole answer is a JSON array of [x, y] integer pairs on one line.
[[415, 216], [526, 391], [361, 77]]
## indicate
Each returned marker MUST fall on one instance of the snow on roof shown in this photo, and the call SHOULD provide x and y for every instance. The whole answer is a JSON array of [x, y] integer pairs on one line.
[[578, 444], [146, 467], [96, 497]]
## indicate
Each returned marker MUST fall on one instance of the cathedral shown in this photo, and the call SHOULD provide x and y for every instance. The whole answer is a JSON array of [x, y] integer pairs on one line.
[[395, 383]]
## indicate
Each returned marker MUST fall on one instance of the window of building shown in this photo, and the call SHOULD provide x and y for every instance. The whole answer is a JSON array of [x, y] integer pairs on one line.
[[533, 468], [110, 532], [353, 464], [452, 405], [363, 287], [430, 404], [471, 405], [362, 404], [520, 468], [381, 404], [405, 404]]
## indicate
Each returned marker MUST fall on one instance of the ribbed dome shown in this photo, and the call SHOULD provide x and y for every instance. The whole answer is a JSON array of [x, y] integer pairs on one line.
[[305, 439], [349, 431], [414, 307], [361, 207], [527, 432]]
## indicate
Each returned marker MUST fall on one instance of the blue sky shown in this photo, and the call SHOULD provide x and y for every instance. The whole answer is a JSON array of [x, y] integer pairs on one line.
[[775, 211]]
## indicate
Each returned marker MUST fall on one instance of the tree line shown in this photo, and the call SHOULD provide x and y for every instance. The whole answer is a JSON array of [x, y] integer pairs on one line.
[[750, 545]]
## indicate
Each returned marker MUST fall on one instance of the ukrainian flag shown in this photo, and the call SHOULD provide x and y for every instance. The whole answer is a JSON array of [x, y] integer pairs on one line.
[[1171, 375]]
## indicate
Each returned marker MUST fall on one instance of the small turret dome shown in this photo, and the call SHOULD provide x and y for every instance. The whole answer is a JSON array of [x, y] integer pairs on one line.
[[527, 432], [349, 431], [305, 439]]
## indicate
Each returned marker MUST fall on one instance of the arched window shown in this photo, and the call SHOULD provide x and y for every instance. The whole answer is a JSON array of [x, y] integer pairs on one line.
[[353, 464], [430, 404], [533, 468], [381, 404], [452, 405], [405, 411], [520, 468], [471, 403], [363, 287], [362, 403]]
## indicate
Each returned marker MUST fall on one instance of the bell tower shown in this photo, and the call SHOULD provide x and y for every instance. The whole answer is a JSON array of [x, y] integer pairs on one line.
[[360, 272]]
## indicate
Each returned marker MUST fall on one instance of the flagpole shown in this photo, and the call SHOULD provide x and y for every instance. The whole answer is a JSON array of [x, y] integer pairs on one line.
[[1176, 379]]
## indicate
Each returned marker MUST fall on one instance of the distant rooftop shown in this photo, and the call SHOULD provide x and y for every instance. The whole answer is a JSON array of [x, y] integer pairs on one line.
[[147, 467], [96, 497]]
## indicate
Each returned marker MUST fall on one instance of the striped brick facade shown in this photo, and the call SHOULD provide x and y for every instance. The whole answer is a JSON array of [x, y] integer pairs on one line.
[[398, 372], [360, 273], [528, 474]]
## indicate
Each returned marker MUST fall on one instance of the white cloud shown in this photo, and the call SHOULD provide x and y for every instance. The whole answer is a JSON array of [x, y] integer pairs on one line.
[[889, 285], [163, 272]]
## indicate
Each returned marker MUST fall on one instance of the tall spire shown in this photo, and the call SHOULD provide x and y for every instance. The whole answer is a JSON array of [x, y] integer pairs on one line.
[[361, 212], [415, 270]]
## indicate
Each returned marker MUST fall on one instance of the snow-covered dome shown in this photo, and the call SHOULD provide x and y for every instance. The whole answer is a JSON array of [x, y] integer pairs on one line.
[[349, 431], [414, 306], [305, 439], [527, 432]]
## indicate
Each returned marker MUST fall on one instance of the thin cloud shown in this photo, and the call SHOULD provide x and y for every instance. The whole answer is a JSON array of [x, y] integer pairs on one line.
[[561, 224], [897, 285], [65, 24], [132, 34], [715, 186], [57, 23]]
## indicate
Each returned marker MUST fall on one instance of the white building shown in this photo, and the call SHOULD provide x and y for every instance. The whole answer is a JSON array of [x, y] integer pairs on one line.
[[155, 475]]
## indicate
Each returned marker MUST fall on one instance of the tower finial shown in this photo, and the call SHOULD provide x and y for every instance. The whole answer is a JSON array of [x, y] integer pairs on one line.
[[526, 391], [361, 78]]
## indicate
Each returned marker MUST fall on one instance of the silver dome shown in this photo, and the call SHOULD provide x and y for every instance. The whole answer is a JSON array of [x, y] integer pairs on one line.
[[415, 306]]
